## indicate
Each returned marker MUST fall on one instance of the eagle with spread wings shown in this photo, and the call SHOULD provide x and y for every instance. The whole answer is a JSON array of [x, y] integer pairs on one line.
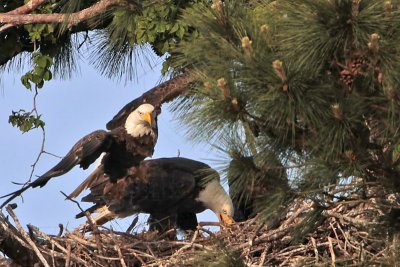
[[124, 146]]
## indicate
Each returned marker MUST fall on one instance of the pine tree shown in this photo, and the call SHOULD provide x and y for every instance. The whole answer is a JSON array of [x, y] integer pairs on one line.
[[301, 97], [306, 87]]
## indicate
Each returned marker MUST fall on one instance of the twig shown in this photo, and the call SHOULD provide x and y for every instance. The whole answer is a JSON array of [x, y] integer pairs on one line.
[[314, 243], [54, 242], [264, 255], [73, 200], [26, 236], [354, 221], [206, 231], [139, 258], [336, 235], [68, 257], [333, 256], [51, 154], [188, 245], [202, 224]]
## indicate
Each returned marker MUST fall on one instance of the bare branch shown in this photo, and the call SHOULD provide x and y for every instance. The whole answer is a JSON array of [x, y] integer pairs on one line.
[[28, 7], [73, 19]]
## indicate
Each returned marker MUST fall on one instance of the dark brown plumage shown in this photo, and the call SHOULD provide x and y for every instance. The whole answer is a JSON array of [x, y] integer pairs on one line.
[[124, 147], [171, 190]]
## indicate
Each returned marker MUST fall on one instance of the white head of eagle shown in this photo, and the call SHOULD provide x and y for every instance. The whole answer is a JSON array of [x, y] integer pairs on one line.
[[214, 197], [142, 121]]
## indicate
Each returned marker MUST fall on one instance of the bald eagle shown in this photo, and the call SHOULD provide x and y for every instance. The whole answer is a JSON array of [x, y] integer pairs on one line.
[[171, 190], [124, 147]]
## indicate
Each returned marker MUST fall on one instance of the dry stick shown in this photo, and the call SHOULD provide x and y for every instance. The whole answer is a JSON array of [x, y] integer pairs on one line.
[[52, 255], [285, 261], [107, 258], [347, 241], [202, 224], [92, 224], [166, 233], [188, 245], [151, 251], [118, 249], [135, 251], [55, 243], [68, 258], [139, 258], [206, 231], [81, 240], [26, 236], [333, 256], [354, 221], [264, 255], [336, 235], [254, 237], [314, 243]]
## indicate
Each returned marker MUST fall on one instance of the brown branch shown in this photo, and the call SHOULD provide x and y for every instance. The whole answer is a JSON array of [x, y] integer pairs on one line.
[[27, 8], [156, 96], [16, 19], [26, 237]]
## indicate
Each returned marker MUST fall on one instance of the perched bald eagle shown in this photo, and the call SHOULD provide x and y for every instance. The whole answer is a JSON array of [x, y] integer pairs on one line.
[[124, 147], [171, 190]]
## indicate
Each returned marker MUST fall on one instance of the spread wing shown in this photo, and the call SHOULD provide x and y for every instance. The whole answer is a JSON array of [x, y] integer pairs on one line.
[[83, 153], [156, 186]]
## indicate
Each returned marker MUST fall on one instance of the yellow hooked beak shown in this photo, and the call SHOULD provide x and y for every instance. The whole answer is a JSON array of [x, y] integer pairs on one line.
[[148, 117], [225, 219]]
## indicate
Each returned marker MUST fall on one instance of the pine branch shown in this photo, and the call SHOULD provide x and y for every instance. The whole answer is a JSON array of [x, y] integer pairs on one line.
[[18, 18]]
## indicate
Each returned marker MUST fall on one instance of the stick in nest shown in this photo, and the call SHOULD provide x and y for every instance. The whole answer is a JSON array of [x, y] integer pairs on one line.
[[26, 236]]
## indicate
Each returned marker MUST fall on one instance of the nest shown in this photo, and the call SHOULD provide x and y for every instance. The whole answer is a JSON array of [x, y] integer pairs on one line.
[[351, 232]]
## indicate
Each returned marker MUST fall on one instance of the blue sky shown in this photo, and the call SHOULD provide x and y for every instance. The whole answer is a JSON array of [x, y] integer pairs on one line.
[[72, 109]]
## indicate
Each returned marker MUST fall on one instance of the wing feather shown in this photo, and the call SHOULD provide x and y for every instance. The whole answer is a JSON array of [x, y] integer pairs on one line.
[[83, 153]]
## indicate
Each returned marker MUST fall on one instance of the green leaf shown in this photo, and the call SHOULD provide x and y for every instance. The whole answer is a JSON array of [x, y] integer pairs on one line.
[[181, 32], [47, 75], [40, 84], [175, 28], [25, 82], [36, 78]]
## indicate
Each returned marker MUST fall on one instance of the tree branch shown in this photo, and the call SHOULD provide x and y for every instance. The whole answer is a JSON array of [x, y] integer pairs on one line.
[[15, 18], [27, 8], [156, 96]]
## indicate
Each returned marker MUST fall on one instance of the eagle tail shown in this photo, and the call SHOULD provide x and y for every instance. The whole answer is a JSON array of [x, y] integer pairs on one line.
[[104, 214], [89, 181], [90, 210]]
